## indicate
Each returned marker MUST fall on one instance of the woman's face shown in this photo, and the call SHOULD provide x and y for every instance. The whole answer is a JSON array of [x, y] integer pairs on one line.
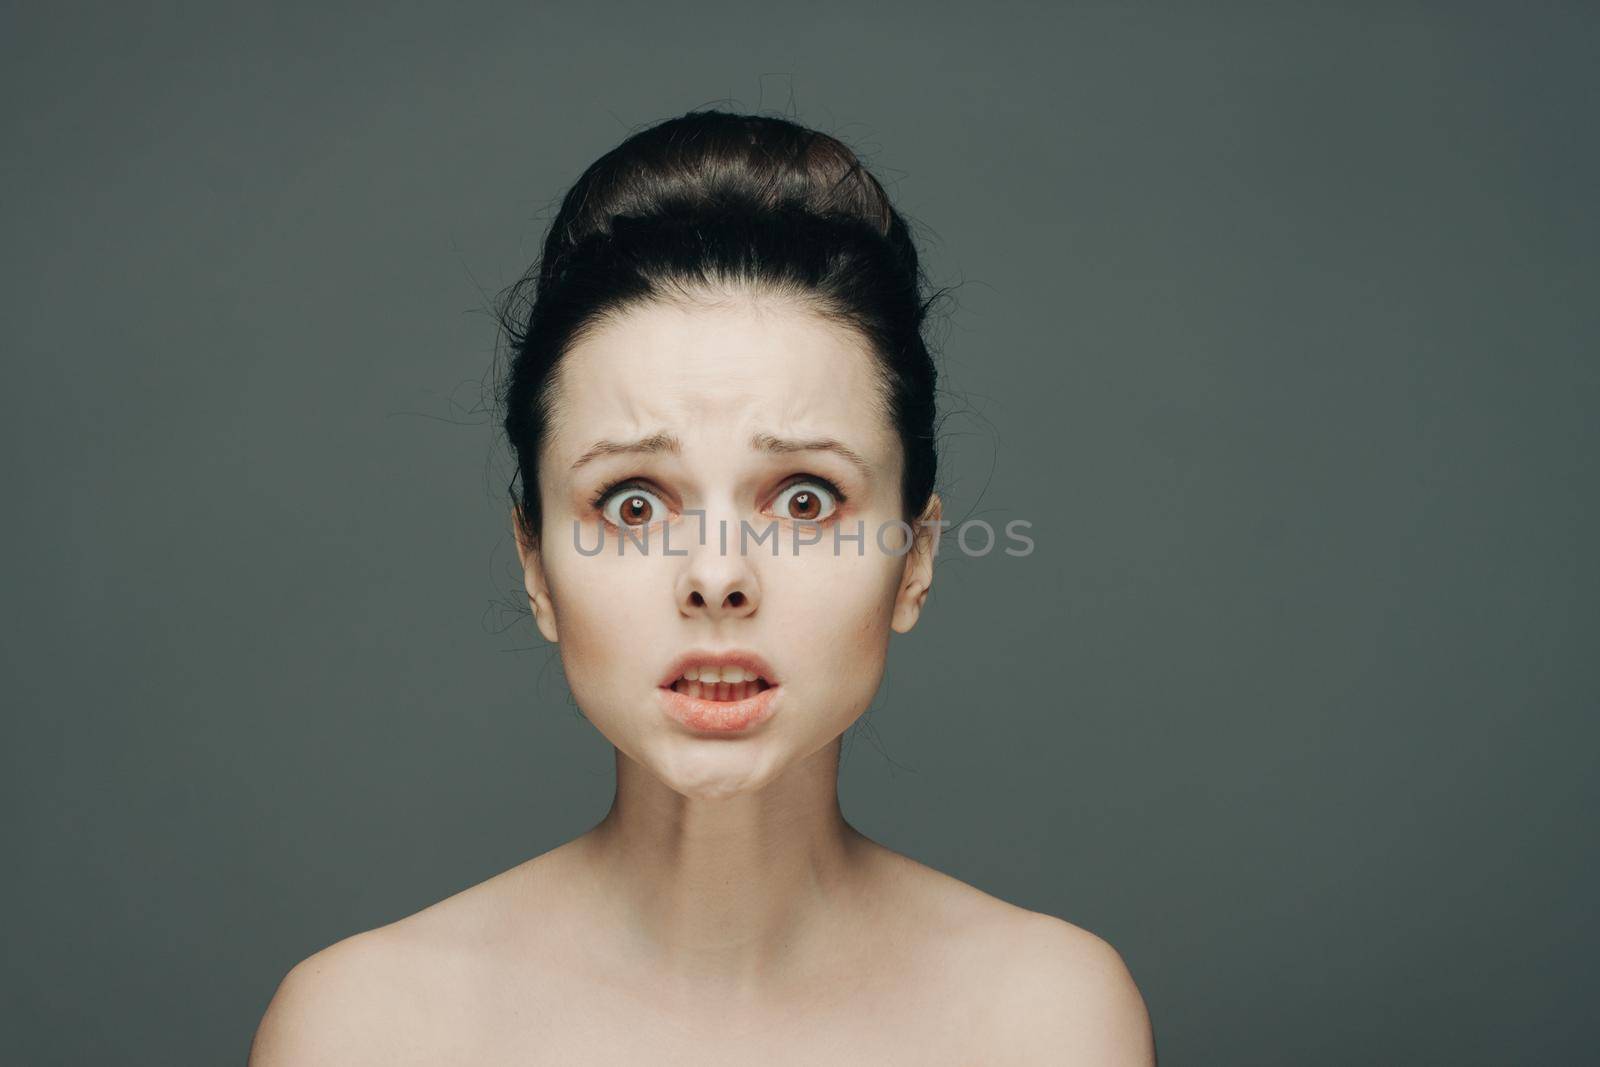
[[739, 399]]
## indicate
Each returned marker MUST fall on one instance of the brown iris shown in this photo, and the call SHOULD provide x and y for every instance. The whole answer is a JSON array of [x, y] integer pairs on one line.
[[636, 508], [807, 502]]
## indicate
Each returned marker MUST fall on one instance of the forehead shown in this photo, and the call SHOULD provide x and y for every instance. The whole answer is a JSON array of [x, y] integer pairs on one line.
[[712, 374]]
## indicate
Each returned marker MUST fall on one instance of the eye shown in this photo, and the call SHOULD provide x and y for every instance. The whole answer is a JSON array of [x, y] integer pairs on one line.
[[811, 500], [631, 505]]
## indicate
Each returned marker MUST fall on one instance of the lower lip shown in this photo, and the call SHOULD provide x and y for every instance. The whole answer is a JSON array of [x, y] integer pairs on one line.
[[719, 716]]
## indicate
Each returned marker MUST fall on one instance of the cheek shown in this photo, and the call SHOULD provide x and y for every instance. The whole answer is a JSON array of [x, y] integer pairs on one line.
[[850, 595], [850, 613], [838, 611], [611, 622]]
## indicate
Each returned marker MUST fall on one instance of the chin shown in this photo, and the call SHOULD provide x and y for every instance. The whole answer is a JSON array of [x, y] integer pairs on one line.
[[727, 770]]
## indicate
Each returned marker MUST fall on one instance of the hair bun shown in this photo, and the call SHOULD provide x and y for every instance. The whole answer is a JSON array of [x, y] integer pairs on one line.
[[713, 162]]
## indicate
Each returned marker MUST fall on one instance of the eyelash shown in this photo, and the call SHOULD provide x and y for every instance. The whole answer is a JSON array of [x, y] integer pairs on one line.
[[597, 502]]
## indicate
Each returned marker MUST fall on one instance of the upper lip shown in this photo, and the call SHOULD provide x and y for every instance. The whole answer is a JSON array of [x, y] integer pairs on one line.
[[731, 657]]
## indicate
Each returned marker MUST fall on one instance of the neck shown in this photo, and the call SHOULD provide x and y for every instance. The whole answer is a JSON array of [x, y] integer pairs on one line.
[[737, 891]]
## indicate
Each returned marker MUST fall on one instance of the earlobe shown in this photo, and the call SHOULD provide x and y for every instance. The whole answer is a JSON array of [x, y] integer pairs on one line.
[[919, 569], [533, 580]]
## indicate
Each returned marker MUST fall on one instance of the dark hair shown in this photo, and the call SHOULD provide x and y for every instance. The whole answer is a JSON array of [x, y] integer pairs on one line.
[[709, 200]]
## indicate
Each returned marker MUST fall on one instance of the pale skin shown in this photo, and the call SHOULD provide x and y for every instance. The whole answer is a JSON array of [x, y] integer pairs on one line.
[[723, 910]]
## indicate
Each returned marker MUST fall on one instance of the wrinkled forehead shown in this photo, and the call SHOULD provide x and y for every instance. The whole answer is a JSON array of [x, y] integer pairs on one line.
[[712, 374]]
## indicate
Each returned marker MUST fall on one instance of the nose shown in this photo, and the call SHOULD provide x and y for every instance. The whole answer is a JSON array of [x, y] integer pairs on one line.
[[714, 584]]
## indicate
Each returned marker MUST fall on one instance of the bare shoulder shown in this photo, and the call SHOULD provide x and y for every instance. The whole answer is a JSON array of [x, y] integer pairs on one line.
[[393, 995], [1054, 993], [336, 1006], [1068, 997]]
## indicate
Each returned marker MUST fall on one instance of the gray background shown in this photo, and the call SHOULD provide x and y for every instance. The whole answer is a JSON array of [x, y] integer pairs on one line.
[[1277, 322]]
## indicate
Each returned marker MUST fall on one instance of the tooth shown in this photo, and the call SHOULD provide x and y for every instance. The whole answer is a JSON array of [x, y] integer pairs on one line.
[[694, 689], [692, 674], [733, 674]]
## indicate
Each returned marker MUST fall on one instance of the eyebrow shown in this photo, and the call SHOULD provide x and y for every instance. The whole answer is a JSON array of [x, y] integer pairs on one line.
[[761, 441]]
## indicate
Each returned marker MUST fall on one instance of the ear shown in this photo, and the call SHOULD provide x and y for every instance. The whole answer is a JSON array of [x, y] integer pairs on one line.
[[533, 579], [918, 574]]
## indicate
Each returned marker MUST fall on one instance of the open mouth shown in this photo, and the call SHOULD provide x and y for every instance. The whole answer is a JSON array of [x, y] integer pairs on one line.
[[720, 684], [720, 692]]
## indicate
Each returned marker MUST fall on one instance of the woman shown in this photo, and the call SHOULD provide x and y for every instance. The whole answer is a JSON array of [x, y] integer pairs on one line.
[[722, 411]]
